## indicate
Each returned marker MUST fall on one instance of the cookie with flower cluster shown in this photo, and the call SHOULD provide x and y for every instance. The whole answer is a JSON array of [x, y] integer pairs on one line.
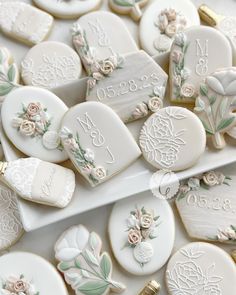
[[193, 57], [197, 268], [17, 277], [68, 8], [94, 39], [141, 232], [133, 85], [99, 149], [31, 119]]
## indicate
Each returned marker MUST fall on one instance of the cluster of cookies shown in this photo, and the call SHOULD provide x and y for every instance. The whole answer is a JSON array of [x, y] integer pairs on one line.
[[123, 84]]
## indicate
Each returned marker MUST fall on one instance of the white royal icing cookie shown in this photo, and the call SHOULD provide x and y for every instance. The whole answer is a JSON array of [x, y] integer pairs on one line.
[[131, 7], [197, 268], [31, 118], [11, 228], [207, 207], [99, 149], [85, 268], [26, 273], [50, 64], [161, 21], [24, 22], [142, 233], [9, 74], [216, 104], [167, 139], [68, 8], [40, 182], [193, 57], [132, 85], [94, 38]]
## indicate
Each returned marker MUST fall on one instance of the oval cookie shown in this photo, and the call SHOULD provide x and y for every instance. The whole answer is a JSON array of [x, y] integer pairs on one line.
[[197, 267], [31, 118], [167, 139], [141, 232], [50, 64]]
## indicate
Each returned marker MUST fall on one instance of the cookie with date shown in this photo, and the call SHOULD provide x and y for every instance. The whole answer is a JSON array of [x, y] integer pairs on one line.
[[133, 85], [207, 207], [94, 39], [99, 149], [193, 57]]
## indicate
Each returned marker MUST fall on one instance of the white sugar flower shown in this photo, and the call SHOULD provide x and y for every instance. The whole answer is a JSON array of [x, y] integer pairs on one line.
[[89, 155]]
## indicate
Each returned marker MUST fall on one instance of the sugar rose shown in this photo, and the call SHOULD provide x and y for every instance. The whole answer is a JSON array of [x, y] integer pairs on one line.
[[134, 237]]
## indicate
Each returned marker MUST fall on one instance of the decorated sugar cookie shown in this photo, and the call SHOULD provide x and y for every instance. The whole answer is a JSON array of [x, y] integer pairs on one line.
[[141, 232], [207, 207], [161, 21], [94, 38], [167, 139], [68, 8], [98, 148], [50, 64], [38, 181], [216, 104], [131, 92], [9, 75], [193, 58], [131, 7], [197, 267], [11, 227], [31, 118], [24, 22], [85, 268], [26, 273]]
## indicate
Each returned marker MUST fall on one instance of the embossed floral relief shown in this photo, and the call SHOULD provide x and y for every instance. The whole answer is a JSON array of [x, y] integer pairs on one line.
[[18, 285]]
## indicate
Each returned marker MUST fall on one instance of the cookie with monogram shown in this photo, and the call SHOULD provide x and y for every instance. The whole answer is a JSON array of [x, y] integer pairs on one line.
[[207, 207], [39, 181], [161, 21], [193, 58], [11, 228], [131, 7], [26, 273], [68, 8], [167, 139], [50, 64], [197, 267], [216, 105], [94, 38], [133, 85], [9, 74], [24, 22], [85, 268], [99, 149], [142, 233], [31, 119]]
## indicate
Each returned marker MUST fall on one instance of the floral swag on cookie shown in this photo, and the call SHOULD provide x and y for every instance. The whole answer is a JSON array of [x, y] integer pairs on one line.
[[226, 235], [141, 226], [169, 22], [18, 286], [83, 157]]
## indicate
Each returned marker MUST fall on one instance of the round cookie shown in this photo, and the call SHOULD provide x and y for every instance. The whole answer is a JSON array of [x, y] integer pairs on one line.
[[50, 64], [172, 138], [11, 228], [68, 8], [197, 269], [31, 118], [142, 233], [27, 273]]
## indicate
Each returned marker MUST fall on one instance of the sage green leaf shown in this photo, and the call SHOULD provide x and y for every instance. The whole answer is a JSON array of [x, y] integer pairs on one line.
[[223, 106], [212, 99], [85, 274], [207, 129], [11, 73], [5, 88], [94, 241], [124, 3], [225, 123], [200, 103], [91, 258], [93, 288], [203, 90], [105, 265], [63, 266]]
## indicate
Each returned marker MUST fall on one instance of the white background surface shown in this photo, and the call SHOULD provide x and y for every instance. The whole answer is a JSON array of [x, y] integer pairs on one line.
[[41, 241]]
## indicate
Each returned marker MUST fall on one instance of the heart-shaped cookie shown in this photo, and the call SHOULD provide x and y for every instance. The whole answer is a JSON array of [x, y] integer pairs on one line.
[[97, 141]]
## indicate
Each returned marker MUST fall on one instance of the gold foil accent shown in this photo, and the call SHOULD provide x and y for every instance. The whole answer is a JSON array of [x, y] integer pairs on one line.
[[3, 167], [233, 254], [152, 288], [208, 15]]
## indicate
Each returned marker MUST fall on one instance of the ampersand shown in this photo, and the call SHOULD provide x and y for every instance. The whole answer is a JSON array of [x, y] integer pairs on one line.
[[202, 66], [98, 138]]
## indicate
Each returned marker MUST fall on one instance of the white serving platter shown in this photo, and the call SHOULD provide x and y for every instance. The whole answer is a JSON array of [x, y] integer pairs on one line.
[[133, 180]]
